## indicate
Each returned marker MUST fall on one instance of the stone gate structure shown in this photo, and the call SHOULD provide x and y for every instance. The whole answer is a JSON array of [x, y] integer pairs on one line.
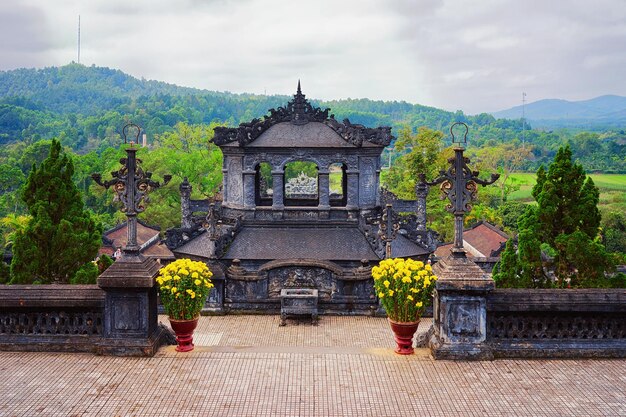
[[314, 230]]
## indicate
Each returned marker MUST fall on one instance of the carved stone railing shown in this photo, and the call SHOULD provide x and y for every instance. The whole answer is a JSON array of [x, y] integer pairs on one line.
[[72, 318], [557, 323], [51, 317]]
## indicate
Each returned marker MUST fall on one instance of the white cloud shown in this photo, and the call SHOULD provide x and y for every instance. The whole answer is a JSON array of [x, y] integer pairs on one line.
[[476, 56]]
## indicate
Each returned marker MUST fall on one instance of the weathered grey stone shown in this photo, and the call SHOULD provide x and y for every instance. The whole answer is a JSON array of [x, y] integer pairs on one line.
[[368, 182], [235, 180], [130, 307], [557, 323], [298, 302], [459, 313]]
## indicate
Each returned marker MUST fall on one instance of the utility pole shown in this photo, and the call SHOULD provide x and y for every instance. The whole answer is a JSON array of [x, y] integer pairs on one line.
[[79, 39], [523, 118]]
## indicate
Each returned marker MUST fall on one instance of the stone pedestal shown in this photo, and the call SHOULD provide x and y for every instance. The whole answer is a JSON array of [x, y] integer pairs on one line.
[[460, 310], [130, 322]]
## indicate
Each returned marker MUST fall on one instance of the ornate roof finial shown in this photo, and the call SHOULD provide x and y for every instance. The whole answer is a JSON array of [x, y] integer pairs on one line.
[[299, 116]]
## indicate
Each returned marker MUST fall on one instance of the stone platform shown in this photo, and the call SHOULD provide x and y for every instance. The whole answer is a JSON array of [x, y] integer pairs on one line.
[[345, 366]]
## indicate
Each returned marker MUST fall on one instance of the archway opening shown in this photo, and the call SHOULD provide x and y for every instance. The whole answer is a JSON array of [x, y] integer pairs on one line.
[[264, 185], [338, 185], [301, 184]]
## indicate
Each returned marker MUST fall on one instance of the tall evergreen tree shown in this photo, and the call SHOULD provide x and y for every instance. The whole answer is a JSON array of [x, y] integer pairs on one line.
[[566, 219], [61, 236]]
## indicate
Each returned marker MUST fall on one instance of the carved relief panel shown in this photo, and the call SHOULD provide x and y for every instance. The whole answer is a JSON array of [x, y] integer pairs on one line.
[[302, 277], [368, 182], [235, 180], [463, 318]]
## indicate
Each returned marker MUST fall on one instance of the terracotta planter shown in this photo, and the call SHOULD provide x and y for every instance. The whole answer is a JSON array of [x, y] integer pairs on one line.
[[403, 333], [184, 333]]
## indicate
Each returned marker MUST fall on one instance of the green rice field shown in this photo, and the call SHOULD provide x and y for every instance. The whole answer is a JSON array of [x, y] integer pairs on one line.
[[612, 189]]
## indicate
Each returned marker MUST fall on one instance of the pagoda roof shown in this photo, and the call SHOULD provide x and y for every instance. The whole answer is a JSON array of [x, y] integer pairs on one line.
[[482, 240], [270, 243], [299, 124]]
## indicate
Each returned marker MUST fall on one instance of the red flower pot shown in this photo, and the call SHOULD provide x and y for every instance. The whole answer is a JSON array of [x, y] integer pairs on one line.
[[403, 333], [184, 333]]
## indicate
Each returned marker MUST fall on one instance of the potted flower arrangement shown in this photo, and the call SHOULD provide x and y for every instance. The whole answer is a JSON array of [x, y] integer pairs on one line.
[[183, 287], [404, 287]]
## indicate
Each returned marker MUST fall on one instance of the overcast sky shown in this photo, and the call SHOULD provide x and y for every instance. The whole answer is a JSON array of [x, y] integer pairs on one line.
[[471, 55]]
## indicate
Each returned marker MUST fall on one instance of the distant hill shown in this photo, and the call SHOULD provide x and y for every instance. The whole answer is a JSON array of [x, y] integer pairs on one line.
[[86, 106], [30, 94], [75, 88], [604, 110]]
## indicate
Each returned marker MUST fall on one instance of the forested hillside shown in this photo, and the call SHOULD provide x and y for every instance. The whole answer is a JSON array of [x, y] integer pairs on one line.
[[86, 107]]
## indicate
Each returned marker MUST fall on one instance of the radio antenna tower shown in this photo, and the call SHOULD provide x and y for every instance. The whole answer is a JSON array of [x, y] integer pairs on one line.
[[523, 117], [79, 39]]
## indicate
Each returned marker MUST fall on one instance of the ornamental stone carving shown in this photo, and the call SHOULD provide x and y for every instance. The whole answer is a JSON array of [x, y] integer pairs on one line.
[[302, 277], [299, 111]]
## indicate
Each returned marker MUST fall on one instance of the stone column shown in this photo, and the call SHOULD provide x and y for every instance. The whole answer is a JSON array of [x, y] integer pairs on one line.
[[353, 189], [185, 204], [460, 311], [249, 188], [130, 323], [278, 190], [323, 186], [225, 195]]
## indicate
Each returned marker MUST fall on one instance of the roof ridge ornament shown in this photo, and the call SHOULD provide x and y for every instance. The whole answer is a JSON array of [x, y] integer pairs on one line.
[[299, 108], [299, 111]]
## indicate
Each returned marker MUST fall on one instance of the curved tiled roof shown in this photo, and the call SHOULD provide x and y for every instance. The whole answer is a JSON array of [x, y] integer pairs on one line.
[[312, 134], [335, 244]]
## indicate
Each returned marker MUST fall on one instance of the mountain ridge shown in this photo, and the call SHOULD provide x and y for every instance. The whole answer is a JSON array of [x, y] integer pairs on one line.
[[606, 108]]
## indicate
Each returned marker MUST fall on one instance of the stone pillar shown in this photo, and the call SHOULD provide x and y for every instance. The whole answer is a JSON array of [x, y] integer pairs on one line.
[[249, 188], [353, 189], [323, 186], [185, 205], [460, 311], [225, 195], [278, 190], [130, 323], [421, 192]]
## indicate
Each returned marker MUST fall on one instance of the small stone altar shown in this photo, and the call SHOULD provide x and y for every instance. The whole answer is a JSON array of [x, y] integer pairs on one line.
[[298, 302], [300, 209]]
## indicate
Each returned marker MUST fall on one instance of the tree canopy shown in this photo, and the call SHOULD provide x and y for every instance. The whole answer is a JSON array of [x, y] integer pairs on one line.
[[564, 225], [61, 236]]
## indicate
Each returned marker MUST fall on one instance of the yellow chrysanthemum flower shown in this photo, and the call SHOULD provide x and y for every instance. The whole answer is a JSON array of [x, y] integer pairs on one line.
[[386, 283], [197, 282]]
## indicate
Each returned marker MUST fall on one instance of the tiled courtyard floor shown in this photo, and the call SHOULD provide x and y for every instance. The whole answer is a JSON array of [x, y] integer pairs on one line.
[[248, 366]]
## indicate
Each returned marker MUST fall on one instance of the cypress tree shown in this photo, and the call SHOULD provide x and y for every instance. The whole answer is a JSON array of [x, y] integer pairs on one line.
[[567, 219], [61, 235]]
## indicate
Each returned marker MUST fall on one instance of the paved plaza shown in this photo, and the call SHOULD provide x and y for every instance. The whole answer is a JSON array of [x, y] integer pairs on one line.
[[249, 366]]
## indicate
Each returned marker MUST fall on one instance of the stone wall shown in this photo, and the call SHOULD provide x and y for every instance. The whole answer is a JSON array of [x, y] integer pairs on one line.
[[51, 317], [111, 318], [557, 323]]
